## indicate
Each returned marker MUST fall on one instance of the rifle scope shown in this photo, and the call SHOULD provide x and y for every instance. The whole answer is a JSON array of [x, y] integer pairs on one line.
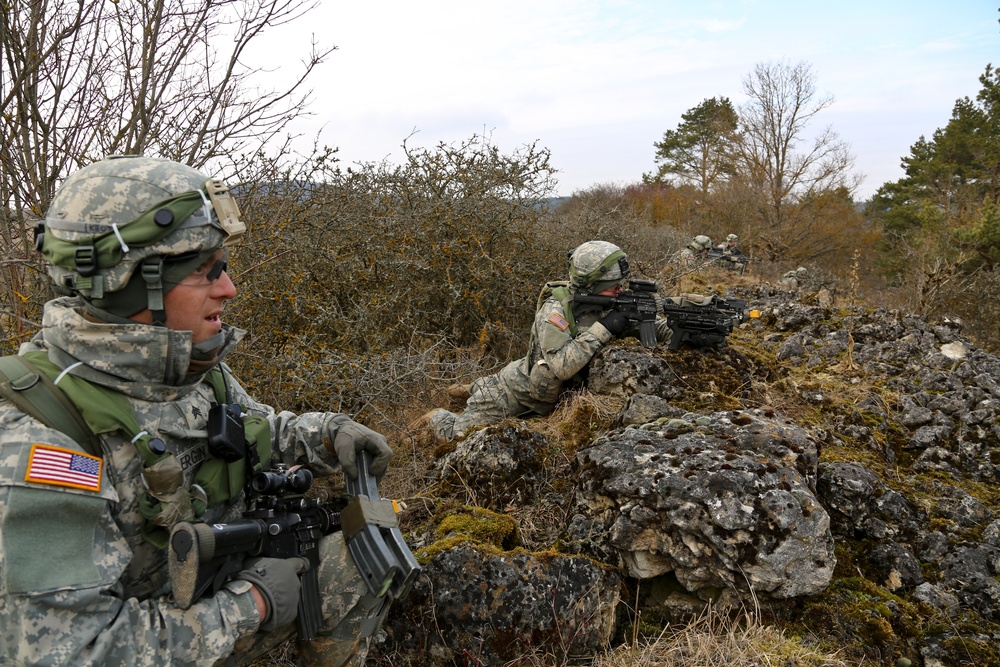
[[280, 482]]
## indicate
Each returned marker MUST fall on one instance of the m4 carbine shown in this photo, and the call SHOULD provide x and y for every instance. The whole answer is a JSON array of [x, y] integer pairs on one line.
[[282, 523], [730, 261], [639, 303]]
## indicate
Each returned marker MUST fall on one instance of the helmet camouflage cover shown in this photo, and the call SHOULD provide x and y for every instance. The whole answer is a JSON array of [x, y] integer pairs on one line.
[[597, 265], [700, 242], [123, 231]]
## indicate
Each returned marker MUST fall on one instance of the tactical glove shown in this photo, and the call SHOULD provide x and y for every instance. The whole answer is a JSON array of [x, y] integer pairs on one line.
[[277, 579], [349, 438], [616, 322]]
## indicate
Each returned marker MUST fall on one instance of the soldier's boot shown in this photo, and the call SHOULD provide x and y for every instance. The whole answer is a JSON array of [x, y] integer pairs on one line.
[[432, 427], [458, 393]]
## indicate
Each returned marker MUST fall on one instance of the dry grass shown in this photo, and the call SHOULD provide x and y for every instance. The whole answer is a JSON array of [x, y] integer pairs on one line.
[[717, 640]]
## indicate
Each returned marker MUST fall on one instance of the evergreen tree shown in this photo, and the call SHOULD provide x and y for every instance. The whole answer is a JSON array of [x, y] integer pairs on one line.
[[699, 151]]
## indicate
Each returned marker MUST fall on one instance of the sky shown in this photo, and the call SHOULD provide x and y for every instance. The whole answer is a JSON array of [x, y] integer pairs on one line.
[[597, 82]]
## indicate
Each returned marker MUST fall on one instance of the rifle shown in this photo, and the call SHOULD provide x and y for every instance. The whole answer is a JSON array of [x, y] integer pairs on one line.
[[699, 320], [638, 303], [728, 260], [282, 523]]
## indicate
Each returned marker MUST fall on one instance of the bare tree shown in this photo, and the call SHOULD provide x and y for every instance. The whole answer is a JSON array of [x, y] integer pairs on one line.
[[80, 80], [777, 158]]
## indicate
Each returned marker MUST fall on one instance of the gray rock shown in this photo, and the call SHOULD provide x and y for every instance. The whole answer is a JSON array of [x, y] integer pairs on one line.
[[936, 597], [860, 505], [497, 466], [895, 566], [726, 506], [643, 409], [500, 608]]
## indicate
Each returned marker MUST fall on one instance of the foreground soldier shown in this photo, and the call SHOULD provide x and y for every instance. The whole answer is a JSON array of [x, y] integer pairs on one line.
[[139, 246], [560, 348]]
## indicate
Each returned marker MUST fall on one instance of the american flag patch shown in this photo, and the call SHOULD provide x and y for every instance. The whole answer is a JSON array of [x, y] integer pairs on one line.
[[64, 467], [559, 321]]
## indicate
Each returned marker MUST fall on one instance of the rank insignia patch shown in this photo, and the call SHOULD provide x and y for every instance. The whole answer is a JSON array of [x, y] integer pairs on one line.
[[64, 467]]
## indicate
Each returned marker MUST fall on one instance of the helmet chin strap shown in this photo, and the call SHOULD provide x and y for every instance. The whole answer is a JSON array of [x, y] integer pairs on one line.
[[152, 273]]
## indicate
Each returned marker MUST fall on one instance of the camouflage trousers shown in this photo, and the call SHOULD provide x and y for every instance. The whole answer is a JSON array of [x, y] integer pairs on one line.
[[351, 615], [491, 399]]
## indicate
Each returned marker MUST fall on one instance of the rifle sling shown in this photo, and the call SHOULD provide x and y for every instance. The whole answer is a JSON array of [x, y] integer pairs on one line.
[[36, 395]]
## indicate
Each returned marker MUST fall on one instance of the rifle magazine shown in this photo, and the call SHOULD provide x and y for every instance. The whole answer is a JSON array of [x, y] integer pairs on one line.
[[374, 539], [310, 605]]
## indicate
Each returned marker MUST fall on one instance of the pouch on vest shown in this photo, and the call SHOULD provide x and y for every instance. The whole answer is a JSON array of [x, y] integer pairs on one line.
[[224, 480], [166, 500], [560, 290]]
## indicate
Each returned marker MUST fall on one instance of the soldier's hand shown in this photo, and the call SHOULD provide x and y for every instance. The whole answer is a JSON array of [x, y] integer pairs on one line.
[[277, 581], [663, 331], [616, 322], [350, 437]]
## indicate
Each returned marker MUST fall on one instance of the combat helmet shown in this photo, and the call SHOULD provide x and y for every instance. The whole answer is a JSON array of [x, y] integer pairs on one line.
[[700, 242], [125, 230], [597, 265]]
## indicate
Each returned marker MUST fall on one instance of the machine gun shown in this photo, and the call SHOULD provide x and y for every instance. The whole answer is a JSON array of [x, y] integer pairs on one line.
[[693, 318], [638, 303], [730, 261], [282, 523], [702, 321]]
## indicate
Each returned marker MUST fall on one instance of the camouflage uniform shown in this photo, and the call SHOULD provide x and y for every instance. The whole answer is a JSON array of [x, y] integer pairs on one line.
[[532, 384], [694, 252], [793, 280], [80, 584]]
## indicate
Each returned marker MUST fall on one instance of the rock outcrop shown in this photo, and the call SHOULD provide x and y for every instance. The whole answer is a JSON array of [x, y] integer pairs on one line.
[[838, 466]]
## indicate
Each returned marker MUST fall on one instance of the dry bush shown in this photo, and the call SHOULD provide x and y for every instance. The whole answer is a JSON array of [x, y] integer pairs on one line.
[[953, 294], [24, 283], [360, 288], [621, 216]]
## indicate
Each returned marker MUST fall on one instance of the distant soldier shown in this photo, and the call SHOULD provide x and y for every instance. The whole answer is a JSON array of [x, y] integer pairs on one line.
[[793, 280], [729, 247], [560, 347], [696, 251]]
